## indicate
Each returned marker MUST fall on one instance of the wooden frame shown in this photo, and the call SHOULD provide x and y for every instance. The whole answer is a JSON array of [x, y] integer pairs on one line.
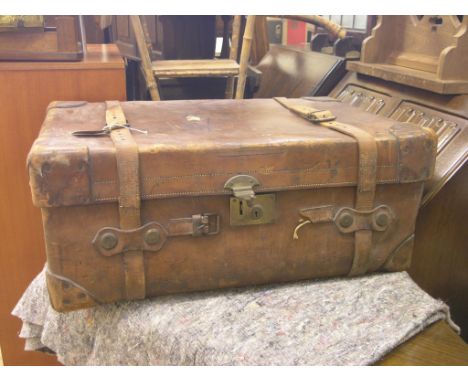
[[429, 53], [195, 68]]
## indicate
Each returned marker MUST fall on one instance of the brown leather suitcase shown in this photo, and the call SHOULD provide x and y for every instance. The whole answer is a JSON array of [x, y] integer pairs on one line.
[[148, 198]]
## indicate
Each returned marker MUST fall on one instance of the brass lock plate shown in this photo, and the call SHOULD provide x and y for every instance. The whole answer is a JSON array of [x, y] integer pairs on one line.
[[260, 211]]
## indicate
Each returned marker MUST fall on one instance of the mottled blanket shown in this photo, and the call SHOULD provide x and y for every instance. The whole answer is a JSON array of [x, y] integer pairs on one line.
[[333, 322]]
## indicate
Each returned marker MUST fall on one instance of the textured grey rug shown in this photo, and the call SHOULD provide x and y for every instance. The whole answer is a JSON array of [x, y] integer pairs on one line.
[[333, 322]]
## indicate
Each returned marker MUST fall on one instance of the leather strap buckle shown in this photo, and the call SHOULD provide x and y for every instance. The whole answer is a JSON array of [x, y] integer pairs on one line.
[[206, 224], [307, 112], [318, 116]]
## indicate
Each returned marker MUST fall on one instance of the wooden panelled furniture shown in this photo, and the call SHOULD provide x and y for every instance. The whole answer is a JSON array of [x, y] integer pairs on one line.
[[422, 80], [172, 37], [26, 90], [40, 38], [428, 54]]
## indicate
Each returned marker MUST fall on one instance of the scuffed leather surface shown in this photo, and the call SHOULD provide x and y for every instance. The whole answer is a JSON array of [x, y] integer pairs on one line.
[[189, 152], [193, 147]]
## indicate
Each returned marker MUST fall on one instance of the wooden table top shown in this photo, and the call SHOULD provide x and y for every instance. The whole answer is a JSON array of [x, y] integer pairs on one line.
[[95, 57], [436, 345]]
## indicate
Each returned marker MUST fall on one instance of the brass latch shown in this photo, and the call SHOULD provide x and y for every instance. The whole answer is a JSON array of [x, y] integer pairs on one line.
[[242, 187], [247, 208]]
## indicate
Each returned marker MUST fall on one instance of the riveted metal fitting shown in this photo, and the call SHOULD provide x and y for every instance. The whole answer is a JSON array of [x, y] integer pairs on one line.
[[152, 236], [346, 220], [382, 219], [109, 241]]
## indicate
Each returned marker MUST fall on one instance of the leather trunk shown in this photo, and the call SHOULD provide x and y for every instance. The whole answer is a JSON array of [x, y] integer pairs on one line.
[[233, 193]]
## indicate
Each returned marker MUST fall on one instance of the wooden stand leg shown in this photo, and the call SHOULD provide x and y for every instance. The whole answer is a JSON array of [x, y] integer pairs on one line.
[[245, 54], [145, 58], [233, 54]]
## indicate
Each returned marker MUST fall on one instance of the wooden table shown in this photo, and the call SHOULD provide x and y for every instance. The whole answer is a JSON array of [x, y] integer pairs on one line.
[[26, 88], [435, 346]]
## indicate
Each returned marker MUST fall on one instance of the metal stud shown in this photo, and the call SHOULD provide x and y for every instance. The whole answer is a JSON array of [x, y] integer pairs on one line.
[[346, 220], [382, 219], [109, 241], [152, 236]]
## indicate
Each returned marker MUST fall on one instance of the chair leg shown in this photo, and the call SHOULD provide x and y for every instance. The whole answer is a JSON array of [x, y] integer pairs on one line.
[[147, 36], [233, 54], [245, 54], [145, 58]]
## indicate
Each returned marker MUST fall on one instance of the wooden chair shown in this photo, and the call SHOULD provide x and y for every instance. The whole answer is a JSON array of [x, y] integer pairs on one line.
[[152, 70]]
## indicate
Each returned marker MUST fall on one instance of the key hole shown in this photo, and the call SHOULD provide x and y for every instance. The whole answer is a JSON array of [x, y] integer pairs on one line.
[[256, 212], [241, 208]]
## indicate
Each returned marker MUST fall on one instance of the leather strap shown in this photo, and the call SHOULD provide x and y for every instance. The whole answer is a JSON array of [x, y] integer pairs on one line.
[[126, 151], [365, 191], [306, 112], [153, 235], [197, 225]]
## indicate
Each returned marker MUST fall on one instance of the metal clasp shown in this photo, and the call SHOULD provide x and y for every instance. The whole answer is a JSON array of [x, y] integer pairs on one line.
[[242, 187], [106, 130], [247, 208]]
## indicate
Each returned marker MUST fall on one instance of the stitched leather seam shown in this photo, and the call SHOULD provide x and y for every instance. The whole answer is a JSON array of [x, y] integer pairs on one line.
[[222, 192], [265, 172]]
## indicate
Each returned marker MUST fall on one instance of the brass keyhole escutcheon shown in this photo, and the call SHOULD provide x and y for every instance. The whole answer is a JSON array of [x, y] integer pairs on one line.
[[256, 212], [261, 211]]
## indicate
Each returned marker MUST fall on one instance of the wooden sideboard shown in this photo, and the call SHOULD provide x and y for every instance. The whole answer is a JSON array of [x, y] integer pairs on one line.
[[26, 90]]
